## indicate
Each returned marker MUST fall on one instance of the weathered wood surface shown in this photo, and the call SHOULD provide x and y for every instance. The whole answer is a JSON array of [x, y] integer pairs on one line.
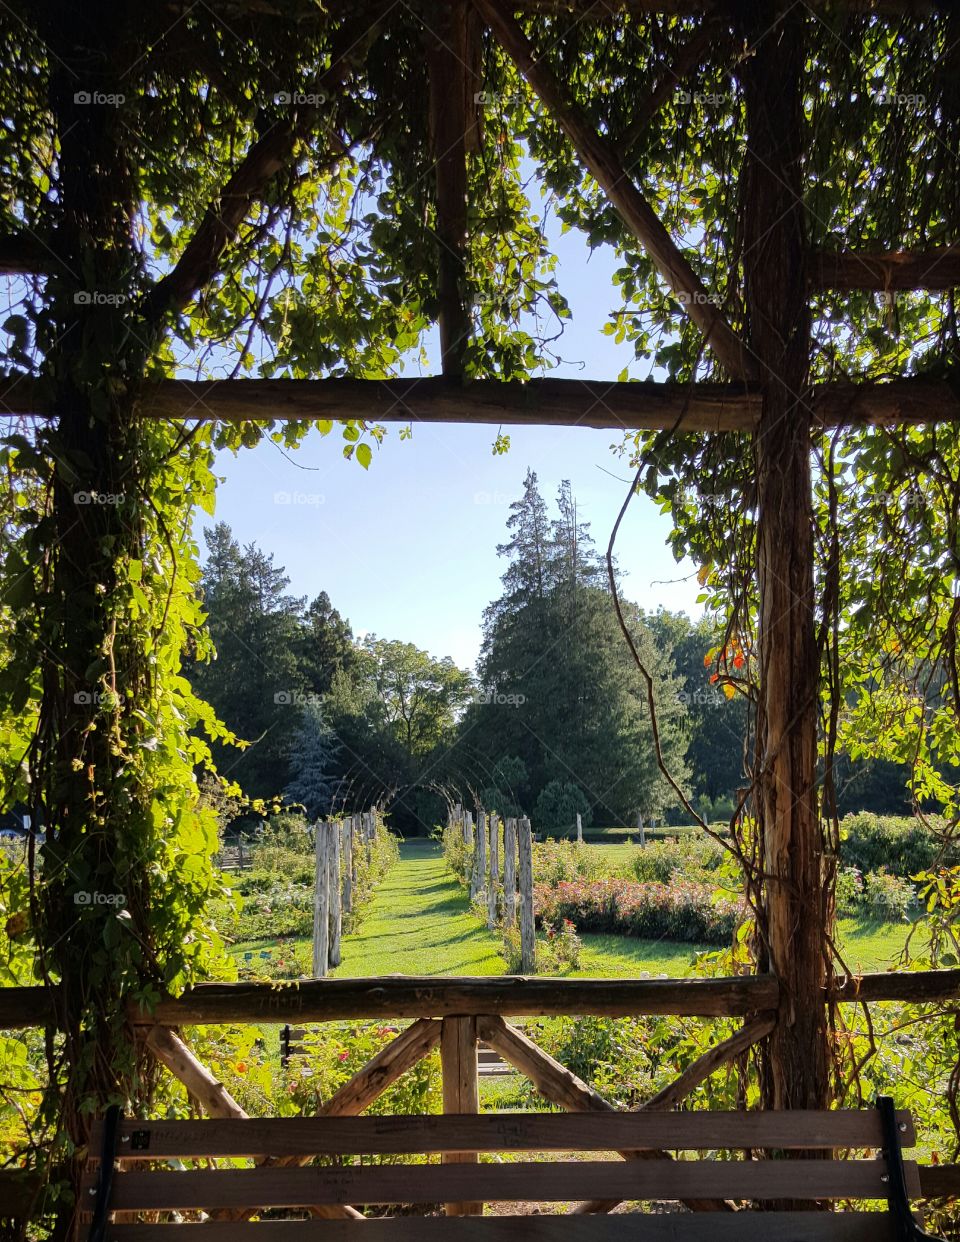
[[490, 1132], [511, 1182], [935, 268], [528, 936], [711, 1227], [632, 405], [216, 1101], [212, 1096], [461, 1094], [334, 893], [450, 85], [411, 996], [509, 873], [349, 865], [561, 1086], [493, 852], [321, 906]]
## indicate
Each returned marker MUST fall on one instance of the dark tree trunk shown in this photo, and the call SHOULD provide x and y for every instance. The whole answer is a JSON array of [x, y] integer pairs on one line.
[[795, 908]]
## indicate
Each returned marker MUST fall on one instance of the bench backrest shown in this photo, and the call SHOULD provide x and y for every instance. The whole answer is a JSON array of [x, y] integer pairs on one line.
[[777, 1177]]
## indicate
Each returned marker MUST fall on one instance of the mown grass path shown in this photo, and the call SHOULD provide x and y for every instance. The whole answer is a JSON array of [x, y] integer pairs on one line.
[[419, 923]]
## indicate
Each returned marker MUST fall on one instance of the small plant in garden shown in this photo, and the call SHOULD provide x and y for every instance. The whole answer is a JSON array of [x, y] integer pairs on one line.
[[564, 943], [849, 891], [887, 898]]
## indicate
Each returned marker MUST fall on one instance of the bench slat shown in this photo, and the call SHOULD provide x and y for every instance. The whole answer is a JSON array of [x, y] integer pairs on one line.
[[554, 1180], [295, 1136], [680, 1227]]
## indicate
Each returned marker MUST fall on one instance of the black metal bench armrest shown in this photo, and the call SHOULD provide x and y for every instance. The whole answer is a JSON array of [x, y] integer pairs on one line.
[[907, 1228], [108, 1151]]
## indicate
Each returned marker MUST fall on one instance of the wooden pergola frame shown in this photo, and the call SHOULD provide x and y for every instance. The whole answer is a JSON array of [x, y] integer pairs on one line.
[[752, 403]]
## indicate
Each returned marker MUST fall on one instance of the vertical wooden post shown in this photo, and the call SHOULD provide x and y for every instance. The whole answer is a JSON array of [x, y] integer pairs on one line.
[[579, 828], [509, 872], [528, 943], [368, 831], [321, 918], [458, 1061], [640, 832], [447, 62], [468, 841], [478, 875], [333, 893], [348, 864], [494, 824], [796, 910]]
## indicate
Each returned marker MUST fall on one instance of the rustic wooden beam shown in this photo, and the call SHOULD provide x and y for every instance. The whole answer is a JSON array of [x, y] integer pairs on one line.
[[933, 269], [632, 406], [216, 1101], [23, 254], [691, 1078], [212, 1096], [411, 996], [399, 996], [559, 1085], [458, 1059], [604, 165], [449, 73]]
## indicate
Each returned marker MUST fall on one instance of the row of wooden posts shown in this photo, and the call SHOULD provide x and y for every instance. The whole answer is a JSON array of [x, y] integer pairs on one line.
[[339, 843], [483, 841]]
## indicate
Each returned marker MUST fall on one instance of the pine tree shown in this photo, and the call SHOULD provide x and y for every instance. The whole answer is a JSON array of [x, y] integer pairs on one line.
[[312, 758]]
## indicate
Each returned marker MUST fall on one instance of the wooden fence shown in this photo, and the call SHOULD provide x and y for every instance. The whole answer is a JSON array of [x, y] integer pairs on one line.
[[503, 893], [456, 1015], [339, 843]]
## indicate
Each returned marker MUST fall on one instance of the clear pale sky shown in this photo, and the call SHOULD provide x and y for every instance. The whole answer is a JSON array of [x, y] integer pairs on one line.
[[408, 549]]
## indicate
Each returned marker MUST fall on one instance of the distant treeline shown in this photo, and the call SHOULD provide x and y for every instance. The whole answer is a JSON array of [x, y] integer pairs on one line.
[[554, 720]]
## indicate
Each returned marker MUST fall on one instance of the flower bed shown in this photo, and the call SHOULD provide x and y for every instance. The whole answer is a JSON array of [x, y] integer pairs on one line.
[[682, 910]]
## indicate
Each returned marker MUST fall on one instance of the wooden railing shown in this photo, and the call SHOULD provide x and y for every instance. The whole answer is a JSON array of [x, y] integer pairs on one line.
[[457, 1014], [412, 996]]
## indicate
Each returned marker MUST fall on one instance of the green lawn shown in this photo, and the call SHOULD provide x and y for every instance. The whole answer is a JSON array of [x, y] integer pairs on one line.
[[419, 923]]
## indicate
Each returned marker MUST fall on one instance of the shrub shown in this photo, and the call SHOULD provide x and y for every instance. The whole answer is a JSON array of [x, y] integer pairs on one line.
[[554, 861], [901, 845], [887, 898], [557, 950], [682, 910], [558, 805], [688, 858], [849, 891]]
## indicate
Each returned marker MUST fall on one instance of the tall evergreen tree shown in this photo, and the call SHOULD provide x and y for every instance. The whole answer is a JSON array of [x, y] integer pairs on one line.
[[312, 757], [256, 681], [562, 693]]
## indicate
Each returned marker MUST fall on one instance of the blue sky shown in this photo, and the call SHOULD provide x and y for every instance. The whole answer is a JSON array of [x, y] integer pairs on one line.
[[408, 549]]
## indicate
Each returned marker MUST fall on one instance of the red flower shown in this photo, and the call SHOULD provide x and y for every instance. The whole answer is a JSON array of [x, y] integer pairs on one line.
[[343, 1056]]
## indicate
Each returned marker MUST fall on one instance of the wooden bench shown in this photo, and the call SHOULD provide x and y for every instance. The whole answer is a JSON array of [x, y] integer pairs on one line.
[[756, 1159]]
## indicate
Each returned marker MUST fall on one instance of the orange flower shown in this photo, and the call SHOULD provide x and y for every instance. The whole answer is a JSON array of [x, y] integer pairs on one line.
[[738, 660]]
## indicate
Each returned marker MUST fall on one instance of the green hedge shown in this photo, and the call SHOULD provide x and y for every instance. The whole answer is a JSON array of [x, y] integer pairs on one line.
[[901, 845]]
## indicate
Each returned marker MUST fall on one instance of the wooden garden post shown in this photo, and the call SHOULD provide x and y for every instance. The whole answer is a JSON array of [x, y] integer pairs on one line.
[[333, 893], [494, 824], [321, 918], [458, 1062], [640, 832], [348, 864], [579, 828], [796, 914], [528, 944], [478, 875], [509, 872]]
